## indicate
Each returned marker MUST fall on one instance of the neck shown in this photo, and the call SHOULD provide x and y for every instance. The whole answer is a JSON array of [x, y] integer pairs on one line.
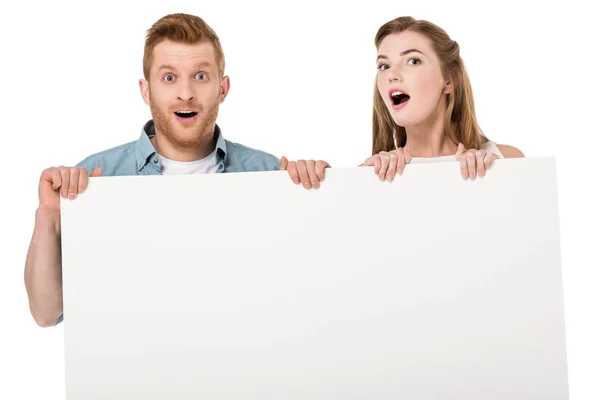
[[183, 152], [428, 139]]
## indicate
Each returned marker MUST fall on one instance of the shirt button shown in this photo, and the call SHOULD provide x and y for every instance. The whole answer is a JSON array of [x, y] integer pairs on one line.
[[155, 160]]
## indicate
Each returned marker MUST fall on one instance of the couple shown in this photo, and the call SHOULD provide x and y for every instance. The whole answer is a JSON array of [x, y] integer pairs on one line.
[[423, 110]]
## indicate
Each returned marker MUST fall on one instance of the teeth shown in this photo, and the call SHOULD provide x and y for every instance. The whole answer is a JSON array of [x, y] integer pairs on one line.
[[185, 112], [397, 93]]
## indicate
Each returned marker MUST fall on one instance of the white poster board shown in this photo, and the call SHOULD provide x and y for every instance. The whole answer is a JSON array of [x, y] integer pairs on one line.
[[245, 286]]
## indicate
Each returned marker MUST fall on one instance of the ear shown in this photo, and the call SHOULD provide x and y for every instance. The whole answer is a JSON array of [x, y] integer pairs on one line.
[[145, 91], [448, 87], [225, 85]]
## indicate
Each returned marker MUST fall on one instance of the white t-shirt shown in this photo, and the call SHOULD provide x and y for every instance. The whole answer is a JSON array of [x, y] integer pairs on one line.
[[207, 165], [489, 146]]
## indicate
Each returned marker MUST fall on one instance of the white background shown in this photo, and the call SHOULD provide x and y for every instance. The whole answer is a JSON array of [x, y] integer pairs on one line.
[[302, 77]]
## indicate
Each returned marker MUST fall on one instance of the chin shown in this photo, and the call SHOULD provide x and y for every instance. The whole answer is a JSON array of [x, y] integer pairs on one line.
[[401, 120], [404, 119], [188, 133]]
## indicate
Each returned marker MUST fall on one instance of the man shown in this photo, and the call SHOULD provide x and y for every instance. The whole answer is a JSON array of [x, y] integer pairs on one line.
[[184, 84]]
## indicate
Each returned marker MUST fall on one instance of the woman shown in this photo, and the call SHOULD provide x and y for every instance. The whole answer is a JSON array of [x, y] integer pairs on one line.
[[423, 109]]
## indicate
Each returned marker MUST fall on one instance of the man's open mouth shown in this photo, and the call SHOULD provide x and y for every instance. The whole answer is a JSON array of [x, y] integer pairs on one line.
[[186, 114]]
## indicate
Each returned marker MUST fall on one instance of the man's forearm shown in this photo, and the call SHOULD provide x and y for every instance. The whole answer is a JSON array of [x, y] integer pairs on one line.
[[43, 269]]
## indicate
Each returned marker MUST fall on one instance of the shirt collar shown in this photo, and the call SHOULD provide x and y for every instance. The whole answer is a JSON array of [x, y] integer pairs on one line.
[[144, 150]]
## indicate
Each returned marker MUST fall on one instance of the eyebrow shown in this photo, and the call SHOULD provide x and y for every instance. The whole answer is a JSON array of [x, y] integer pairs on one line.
[[203, 64], [403, 53], [199, 65], [166, 67]]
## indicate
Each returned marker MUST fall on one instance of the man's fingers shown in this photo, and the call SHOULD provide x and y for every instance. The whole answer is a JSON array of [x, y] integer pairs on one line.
[[293, 172], [68, 181], [97, 172], [303, 173], [64, 176], [83, 181], [320, 169], [312, 175], [73, 183], [283, 164], [53, 176]]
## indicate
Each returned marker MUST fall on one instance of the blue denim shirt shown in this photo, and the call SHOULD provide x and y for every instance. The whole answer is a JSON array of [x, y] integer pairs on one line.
[[140, 158]]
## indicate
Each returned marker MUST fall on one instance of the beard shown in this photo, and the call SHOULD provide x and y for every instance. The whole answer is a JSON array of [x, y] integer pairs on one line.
[[195, 134]]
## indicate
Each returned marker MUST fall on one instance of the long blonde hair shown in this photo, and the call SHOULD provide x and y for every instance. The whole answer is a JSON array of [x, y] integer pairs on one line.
[[460, 123]]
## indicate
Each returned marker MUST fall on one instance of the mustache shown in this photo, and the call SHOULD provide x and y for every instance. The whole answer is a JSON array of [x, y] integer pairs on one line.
[[186, 105]]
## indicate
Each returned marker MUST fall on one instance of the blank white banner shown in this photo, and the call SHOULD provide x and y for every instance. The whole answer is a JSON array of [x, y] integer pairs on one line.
[[245, 286]]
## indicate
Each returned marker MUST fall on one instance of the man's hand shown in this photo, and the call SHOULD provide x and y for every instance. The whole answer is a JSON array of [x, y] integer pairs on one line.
[[67, 182]]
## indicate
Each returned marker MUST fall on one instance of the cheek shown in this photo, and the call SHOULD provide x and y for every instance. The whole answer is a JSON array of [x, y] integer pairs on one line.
[[159, 103], [207, 93], [425, 82], [157, 94], [432, 88], [381, 89]]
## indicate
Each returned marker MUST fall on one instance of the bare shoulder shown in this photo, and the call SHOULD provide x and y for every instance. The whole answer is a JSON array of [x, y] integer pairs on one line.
[[510, 151]]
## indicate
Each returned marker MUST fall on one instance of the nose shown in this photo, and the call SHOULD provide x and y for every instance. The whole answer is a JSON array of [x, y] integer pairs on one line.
[[394, 75], [185, 91]]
